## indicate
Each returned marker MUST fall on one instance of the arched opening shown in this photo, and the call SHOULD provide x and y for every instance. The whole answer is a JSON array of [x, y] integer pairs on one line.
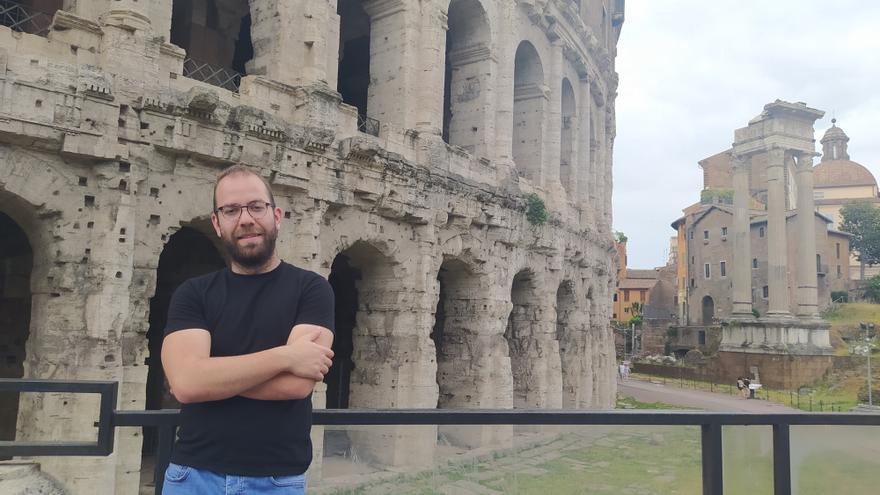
[[467, 51], [343, 278], [29, 16], [16, 264], [189, 253], [353, 79], [708, 310], [571, 348], [216, 35], [530, 97], [567, 156], [518, 335]]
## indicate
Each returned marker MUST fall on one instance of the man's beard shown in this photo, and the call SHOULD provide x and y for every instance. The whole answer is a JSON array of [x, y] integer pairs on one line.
[[251, 257]]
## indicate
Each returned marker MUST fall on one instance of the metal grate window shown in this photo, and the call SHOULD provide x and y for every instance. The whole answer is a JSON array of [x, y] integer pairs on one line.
[[26, 20], [214, 75]]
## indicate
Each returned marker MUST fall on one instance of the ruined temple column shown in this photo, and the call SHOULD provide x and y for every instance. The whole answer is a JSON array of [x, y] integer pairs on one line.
[[742, 253], [807, 291], [777, 255]]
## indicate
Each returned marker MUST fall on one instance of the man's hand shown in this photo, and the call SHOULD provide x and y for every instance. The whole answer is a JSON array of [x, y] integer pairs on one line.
[[308, 358]]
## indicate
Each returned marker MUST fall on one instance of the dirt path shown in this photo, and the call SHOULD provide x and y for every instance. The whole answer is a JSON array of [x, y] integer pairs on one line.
[[698, 399]]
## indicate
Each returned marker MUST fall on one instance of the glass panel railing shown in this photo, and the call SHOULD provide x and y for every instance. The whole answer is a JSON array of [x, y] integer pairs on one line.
[[748, 460], [835, 459], [509, 460]]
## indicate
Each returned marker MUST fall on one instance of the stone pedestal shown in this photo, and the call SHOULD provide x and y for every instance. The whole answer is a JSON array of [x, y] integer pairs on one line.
[[787, 352]]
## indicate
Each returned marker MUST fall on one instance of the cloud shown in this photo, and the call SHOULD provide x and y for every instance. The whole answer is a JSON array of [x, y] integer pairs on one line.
[[693, 71]]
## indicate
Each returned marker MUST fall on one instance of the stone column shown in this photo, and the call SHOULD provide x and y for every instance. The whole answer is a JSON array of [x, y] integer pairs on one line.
[[553, 121], [742, 253], [777, 270], [292, 40], [428, 104], [584, 173], [394, 53], [807, 291]]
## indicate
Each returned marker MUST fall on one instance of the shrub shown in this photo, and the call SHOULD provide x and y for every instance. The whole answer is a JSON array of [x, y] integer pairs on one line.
[[756, 313], [536, 211], [840, 296]]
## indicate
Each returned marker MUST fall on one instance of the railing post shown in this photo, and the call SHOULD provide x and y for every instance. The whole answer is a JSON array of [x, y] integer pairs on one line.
[[713, 479], [781, 460], [163, 454]]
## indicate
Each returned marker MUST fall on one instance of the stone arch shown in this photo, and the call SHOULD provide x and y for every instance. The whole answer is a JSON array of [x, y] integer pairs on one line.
[[466, 90], [353, 78], [190, 252], [530, 96], [214, 32], [16, 265], [568, 129]]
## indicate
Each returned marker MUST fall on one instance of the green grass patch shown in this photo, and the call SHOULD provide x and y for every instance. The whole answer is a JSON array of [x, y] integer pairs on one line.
[[632, 403]]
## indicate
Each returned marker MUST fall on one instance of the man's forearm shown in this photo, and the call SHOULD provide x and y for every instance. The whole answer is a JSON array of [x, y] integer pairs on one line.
[[217, 378], [285, 386]]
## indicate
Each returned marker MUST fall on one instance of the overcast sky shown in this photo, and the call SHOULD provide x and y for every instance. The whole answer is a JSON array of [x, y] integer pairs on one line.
[[692, 71]]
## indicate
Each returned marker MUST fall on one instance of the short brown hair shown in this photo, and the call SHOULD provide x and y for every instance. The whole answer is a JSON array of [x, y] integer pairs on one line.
[[241, 169]]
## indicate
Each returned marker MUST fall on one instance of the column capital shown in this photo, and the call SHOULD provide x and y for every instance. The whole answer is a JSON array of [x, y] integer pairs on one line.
[[805, 160], [740, 163]]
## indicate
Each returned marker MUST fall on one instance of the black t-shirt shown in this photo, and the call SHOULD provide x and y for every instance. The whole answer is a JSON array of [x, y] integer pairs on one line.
[[247, 314]]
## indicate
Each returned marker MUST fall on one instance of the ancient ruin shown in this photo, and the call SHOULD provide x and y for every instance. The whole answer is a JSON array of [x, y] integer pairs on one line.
[[400, 139]]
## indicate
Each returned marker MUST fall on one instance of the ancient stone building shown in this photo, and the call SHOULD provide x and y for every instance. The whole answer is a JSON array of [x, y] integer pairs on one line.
[[400, 138]]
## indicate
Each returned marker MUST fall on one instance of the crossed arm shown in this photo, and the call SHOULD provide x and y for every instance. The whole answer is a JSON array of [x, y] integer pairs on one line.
[[285, 372]]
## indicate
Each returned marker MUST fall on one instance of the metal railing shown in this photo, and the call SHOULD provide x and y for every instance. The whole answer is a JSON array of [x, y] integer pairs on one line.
[[166, 421], [24, 19], [368, 125], [214, 75]]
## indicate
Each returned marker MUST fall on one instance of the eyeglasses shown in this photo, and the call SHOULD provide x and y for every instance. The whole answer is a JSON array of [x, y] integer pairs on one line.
[[256, 209]]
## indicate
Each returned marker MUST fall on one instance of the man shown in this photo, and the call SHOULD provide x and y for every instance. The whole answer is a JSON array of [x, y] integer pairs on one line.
[[243, 349]]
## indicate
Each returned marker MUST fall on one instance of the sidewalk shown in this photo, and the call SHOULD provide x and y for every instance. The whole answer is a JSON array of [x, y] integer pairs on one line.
[[698, 399]]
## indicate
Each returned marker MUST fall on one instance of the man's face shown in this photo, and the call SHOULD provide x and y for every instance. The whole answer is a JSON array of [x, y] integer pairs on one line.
[[248, 239]]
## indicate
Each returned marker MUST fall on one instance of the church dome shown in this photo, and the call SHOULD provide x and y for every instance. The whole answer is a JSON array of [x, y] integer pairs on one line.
[[836, 169], [842, 173]]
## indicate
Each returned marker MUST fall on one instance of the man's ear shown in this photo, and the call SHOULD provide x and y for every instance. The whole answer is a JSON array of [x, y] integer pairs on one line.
[[216, 223]]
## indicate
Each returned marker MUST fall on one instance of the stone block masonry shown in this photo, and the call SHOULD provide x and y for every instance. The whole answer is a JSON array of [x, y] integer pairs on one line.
[[399, 138]]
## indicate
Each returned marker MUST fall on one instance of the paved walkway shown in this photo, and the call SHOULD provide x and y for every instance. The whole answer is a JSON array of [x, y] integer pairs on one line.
[[698, 399]]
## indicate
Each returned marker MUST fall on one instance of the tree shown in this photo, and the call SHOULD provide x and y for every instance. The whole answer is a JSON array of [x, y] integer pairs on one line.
[[620, 237], [862, 220]]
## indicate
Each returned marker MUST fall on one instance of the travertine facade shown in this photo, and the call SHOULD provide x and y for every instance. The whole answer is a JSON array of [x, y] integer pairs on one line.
[[409, 200]]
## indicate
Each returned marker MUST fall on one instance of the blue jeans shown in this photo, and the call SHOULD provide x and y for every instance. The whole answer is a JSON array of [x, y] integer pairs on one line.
[[184, 480]]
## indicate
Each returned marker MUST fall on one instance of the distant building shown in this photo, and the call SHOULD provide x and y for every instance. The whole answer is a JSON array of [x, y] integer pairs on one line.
[[838, 181]]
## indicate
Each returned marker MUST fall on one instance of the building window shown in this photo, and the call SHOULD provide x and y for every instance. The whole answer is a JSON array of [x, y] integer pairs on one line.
[[705, 234], [702, 337], [706, 270], [819, 263], [614, 316], [723, 230], [643, 295], [723, 268], [754, 262], [761, 232], [626, 310], [766, 292], [692, 260], [818, 195], [837, 247], [693, 284], [615, 297], [691, 234], [626, 296], [838, 271]]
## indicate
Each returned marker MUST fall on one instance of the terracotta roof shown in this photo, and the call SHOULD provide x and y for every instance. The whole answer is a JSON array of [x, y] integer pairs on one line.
[[842, 173], [637, 283], [634, 273]]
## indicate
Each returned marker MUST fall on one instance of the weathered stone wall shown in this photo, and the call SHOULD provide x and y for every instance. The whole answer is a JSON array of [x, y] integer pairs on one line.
[[107, 151]]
